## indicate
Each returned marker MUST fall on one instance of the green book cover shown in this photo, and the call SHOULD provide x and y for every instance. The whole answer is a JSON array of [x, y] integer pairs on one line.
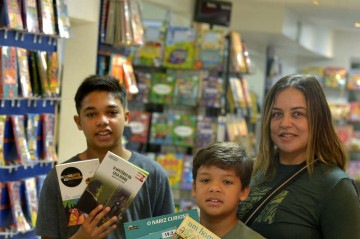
[[150, 226]]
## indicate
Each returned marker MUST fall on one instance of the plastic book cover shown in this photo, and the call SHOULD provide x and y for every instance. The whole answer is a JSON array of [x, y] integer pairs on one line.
[[19, 218], [73, 178], [24, 73], [8, 81], [53, 73], [173, 164], [144, 227], [179, 47], [187, 176], [162, 88], [186, 88], [190, 228], [206, 131], [211, 91], [184, 129], [161, 128], [115, 183], [18, 126], [210, 45], [29, 11], [62, 19], [32, 133], [143, 82], [11, 15], [48, 127], [31, 200], [47, 17], [42, 68], [2, 138], [139, 126]]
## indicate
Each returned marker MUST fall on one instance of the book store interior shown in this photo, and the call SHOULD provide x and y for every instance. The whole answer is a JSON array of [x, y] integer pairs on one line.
[[196, 72]]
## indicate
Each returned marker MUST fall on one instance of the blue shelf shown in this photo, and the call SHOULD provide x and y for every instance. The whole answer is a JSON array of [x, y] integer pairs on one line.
[[17, 235], [18, 172]]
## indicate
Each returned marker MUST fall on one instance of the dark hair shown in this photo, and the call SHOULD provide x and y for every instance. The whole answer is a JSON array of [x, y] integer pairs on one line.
[[225, 155], [100, 83], [323, 142]]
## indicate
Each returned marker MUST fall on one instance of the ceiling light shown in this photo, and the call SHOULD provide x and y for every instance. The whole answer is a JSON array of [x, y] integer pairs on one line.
[[316, 2], [357, 24]]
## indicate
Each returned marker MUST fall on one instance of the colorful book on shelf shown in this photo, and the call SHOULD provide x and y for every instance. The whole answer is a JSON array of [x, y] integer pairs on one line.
[[353, 169], [31, 200], [345, 133], [187, 176], [32, 132], [29, 12], [129, 78], [353, 82], [116, 67], [2, 138], [237, 53], [115, 183], [209, 52], [211, 91], [354, 114], [179, 47], [173, 164], [34, 74], [161, 128], [46, 12], [48, 129], [24, 73], [162, 88], [165, 224], [19, 218], [143, 82], [186, 87], [335, 77], [11, 15], [73, 178], [206, 131], [190, 228], [62, 19], [42, 68], [9, 76], [52, 71], [139, 126], [184, 129], [18, 122]]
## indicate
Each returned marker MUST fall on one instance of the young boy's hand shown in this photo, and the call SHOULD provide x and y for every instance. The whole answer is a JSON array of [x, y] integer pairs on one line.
[[90, 230]]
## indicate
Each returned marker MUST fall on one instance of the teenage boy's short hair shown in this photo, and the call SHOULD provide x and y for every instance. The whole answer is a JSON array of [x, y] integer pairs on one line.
[[225, 155], [100, 83]]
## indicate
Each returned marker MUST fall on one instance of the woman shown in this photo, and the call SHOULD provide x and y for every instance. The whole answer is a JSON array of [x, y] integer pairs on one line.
[[297, 130]]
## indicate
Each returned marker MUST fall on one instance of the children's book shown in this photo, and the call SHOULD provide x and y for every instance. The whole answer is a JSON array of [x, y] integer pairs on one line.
[[46, 17], [190, 228], [335, 77], [62, 19], [143, 82], [52, 63], [353, 82], [2, 139], [166, 224], [206, 131], [42, 68], [173, 164], [48, 127], [17, 122], [187, 176], [32, 133], [161, 128], [186, 88], [31, 200], [354, 115], [184, 130], [211, 91], [73, 178], [179, 47], [115, 184], [139, 126], [24, 73], [162, 88], [8, 73], [29, 12], [10, 15]]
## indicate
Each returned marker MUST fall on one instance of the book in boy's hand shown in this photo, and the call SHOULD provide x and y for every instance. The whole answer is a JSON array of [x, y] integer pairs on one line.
[[115, 184], [190, 228], [157, 227], [73, 178]]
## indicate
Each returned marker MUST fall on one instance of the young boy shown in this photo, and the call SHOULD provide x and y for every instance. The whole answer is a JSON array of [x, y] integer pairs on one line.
[[221, 173], [101, 105]]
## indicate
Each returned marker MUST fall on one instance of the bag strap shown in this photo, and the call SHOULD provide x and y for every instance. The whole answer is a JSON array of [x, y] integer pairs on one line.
[[256, 209]]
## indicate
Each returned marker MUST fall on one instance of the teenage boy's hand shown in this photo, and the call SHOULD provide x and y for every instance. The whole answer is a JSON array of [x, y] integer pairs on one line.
[[90, 230]]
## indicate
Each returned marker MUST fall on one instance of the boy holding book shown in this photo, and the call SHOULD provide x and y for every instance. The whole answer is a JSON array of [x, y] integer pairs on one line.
[[221, 177], [101, 105]]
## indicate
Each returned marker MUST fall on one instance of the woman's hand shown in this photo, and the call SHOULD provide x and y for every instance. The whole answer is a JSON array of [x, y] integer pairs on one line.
[[90, 229]]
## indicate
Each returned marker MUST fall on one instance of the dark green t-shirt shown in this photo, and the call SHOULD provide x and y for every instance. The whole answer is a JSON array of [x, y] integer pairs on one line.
[[323, 205]]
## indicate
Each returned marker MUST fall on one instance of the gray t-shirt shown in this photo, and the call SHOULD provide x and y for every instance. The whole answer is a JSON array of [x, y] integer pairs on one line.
[[154, 199]]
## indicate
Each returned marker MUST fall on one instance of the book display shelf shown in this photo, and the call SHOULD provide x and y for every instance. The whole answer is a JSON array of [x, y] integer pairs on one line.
[[187, 89], [29, 104]]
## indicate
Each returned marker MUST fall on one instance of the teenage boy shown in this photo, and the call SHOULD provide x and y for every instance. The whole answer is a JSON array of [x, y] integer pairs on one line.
[[101, 105], [221, 174]]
